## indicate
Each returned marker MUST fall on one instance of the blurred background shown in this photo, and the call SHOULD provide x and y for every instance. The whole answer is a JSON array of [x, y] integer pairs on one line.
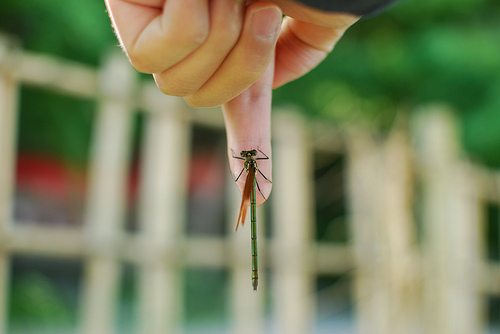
[[387, 187]]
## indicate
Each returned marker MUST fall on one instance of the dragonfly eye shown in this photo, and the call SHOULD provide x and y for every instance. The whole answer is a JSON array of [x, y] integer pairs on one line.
[[253, 153], [243, 153]]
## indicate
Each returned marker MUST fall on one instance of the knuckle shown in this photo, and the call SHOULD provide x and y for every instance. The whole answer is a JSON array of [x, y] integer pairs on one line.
[[196, 101], [179, 46], [174, 91], [173, 88], [140, 65], [226, 35], [141, 61], [200, 35], [194, 37]]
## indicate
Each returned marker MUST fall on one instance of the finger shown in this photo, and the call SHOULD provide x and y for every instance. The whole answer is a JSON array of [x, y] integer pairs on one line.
[[156, 37], [248, 60], [186, 77], [302, 46], [248, 126]]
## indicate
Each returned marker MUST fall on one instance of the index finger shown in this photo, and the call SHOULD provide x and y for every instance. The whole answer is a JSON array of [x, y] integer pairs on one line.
[[248, 126]]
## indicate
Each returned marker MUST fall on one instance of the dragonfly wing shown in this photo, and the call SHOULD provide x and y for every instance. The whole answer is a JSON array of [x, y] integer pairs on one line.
[[245, 200]]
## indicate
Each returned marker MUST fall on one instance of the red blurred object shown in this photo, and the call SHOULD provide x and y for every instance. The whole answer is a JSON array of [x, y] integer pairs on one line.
[[49, 191], [46, 176]]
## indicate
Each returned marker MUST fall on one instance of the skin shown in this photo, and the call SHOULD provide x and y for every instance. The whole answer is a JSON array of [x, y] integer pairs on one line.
[[230, 53]]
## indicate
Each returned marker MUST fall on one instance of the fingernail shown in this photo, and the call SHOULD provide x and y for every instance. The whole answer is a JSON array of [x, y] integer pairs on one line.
[[266, 22]]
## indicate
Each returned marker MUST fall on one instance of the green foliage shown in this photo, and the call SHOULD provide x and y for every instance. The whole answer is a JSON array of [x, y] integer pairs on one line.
[[79, 30], [55, 125], [206, 297], [38, 305]]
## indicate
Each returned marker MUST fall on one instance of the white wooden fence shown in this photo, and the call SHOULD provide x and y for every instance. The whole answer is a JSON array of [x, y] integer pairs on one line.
[[402, 285]]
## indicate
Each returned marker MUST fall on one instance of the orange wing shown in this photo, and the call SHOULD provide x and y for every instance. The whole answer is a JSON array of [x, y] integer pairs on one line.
[[245, 200]]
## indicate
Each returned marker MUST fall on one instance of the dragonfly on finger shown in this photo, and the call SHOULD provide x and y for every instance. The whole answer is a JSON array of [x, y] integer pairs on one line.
[[249, 199]]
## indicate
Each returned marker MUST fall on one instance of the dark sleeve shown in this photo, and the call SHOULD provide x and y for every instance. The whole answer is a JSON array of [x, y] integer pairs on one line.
[[358, 7]]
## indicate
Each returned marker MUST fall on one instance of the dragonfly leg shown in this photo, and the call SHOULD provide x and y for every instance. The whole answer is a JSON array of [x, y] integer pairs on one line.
[[266, 157], [258, 188], [265, 178], [236, 179], [239, 158], [236, 157]]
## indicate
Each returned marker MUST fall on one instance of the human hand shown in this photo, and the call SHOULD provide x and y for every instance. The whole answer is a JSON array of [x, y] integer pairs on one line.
[[215, 52]]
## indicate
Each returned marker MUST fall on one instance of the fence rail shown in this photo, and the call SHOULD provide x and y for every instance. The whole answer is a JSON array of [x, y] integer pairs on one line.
[[407, 286]]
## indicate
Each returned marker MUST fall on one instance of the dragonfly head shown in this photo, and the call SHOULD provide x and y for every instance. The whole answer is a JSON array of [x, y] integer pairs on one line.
[[247, 154]]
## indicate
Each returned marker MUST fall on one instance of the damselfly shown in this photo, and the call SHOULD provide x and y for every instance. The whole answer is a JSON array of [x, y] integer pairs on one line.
[[248, 199]]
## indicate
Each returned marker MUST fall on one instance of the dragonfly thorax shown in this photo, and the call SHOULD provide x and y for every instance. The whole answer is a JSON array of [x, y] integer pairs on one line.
[[249, 159], [250, 163]]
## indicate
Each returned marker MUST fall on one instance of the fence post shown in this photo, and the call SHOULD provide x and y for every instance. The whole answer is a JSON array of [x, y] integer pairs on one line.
[[451, 225], [293, 220], [107, 196], [162, 211], [387, 289], [9, 88]]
